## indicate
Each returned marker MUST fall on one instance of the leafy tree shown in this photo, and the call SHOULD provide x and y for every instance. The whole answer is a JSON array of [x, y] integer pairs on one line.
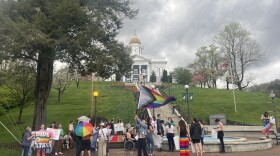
[[164, 77], [123, 62], [20, 79], [266, 88], [5, 97], [198, 79], [153, 77], [275, 87], [182, 75], [81, 33], [206, 64], [240, 50], [61, 81]]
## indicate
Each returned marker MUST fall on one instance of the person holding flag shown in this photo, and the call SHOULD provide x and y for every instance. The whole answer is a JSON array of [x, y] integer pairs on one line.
[[267, 123]]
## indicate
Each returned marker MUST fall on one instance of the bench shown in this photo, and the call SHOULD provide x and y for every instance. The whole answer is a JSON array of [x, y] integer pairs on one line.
[[277, 137]]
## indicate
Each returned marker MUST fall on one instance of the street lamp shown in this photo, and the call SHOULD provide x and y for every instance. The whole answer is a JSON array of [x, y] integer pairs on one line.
[[95, 95], [187, 100], [272, 95]]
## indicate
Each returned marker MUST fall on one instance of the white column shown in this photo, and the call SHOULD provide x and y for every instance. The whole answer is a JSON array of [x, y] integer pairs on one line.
[[148, 73]]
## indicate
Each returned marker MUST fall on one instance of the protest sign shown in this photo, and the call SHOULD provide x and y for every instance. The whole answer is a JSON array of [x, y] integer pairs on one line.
[[42, 139], [55, 133]]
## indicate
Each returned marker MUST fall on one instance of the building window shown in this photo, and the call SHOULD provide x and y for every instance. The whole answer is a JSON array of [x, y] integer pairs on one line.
[[135, 71], [135, 77], [160, 71], [144, 71]]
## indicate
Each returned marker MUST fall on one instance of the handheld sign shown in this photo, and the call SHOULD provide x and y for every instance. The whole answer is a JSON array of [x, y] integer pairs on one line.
[[42, 139], [55, 133]]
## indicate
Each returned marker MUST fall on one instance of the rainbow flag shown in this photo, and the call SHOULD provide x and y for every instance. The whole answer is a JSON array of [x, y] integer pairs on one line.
[[151, 99], [267, 128]]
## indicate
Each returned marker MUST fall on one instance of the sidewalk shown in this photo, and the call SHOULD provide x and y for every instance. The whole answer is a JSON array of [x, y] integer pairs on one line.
[[274, 151]]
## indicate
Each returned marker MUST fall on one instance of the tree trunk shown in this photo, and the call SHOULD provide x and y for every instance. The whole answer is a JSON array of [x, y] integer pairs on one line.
[[20, 114], [214, 83], [43, 86], [59, 95], [77, 82], [227, 85], [239, 86]]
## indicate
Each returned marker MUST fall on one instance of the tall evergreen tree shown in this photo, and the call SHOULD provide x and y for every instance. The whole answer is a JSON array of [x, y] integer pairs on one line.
[[170, 78], [79, 32], [153, 77], [164, 77]]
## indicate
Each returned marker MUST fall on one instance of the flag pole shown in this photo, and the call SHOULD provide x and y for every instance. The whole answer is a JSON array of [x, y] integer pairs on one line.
[[91, 112], [10, 132], [233, 93]]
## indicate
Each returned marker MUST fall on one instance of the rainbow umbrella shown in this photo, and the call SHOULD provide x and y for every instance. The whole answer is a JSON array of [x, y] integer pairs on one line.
[[83, 129]]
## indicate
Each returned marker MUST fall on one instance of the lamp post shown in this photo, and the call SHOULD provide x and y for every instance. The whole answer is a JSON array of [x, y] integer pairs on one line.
[[187, 100], [95, 95], [91, 110], [169, 83], [154, 89], [272, 95]]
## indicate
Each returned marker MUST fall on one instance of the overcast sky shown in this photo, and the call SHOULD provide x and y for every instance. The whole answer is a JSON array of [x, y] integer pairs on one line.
[[175, 29]]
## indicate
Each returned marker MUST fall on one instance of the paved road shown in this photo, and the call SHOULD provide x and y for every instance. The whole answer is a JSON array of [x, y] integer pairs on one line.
[[274, 151]]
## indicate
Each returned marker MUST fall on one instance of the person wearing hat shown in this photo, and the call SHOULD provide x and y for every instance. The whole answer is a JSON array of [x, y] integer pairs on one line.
[[103, 138]]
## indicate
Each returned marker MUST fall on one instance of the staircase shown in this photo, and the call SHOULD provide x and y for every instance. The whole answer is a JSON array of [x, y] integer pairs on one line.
[[165, 111]]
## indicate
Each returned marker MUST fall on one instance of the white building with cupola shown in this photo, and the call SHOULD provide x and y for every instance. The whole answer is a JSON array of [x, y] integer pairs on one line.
[[143, 64]]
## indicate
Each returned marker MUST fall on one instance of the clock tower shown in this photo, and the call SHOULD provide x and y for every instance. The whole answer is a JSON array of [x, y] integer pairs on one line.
[[143, 66], [135, 45]]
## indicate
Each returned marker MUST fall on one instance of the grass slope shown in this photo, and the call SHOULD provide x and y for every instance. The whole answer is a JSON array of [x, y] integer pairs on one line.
[[116, 102], [207, 101], [75, 102]]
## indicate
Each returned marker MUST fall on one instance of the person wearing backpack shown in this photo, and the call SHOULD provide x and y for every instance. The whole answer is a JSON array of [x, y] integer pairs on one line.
[[103, 139], [195, 134]]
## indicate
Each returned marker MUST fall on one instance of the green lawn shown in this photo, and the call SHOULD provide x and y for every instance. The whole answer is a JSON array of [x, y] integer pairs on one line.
[[9, 152], [75, 102], [117, 102], [208, 101]]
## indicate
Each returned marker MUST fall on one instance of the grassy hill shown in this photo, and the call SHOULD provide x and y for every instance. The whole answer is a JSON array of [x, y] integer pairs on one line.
[[206, 101], [75, 102], [117, 102]]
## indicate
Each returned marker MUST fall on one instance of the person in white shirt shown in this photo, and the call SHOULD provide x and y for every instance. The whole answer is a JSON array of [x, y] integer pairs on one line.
[[109, 131], [170, 136], [71, 128], [102, 145]]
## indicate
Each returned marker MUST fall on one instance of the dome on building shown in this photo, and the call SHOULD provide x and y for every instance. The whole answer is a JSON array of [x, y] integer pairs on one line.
[[134, 39]]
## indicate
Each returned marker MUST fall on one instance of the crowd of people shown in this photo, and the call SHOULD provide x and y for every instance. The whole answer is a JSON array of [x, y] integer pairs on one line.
[[55, 148], [147, 132], [86, 145]]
